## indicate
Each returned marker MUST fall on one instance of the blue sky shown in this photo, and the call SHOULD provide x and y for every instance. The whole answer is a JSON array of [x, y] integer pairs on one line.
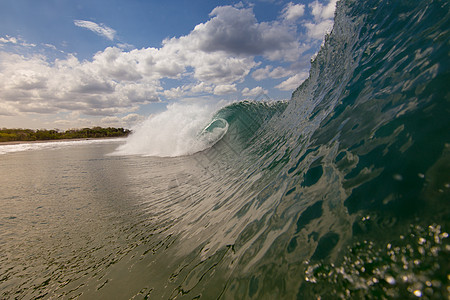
[[67, 64]]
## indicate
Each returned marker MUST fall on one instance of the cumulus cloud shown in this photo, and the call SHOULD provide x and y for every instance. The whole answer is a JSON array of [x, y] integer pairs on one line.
[[225, 89], [293, 11], [257, 91], [280, 72], [32, 84], [99, 29], [212, 58], [202, 87], [318, 30], [261, 73], [127, 121], [268, 72], [175, 93], [323, 19], [292, 82], [236, 31], [323, 12], [189, 90]]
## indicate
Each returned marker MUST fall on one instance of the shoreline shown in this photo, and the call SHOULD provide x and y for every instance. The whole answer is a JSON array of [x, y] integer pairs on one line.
[[57, 140]]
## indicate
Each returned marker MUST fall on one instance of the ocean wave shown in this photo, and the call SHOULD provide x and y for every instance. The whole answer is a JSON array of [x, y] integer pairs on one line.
[[185, 129], [340, 193]]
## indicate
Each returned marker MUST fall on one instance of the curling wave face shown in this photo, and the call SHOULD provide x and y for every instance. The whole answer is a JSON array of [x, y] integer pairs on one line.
[[185, 129]]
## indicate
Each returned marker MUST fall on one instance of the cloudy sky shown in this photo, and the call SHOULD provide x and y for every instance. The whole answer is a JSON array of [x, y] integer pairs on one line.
[[67, 64]]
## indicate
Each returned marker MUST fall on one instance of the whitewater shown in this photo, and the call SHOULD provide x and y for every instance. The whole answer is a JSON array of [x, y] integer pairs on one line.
[[342, 192]]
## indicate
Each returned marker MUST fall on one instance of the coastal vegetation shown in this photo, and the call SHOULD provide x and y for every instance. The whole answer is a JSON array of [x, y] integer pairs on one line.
[[11, 135]]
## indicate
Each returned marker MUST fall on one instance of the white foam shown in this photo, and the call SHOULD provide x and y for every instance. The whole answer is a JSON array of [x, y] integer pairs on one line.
[[174, 132], [51, 145]]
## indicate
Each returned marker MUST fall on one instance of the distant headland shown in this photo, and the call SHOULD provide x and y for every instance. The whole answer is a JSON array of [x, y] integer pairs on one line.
[[29, 135]]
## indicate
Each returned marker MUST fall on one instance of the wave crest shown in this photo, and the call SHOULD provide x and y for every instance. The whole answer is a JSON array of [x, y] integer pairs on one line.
[[185, 129], [174, 132]]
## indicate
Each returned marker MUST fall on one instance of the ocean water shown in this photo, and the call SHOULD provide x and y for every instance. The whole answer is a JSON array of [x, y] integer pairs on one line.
[[342, 192]]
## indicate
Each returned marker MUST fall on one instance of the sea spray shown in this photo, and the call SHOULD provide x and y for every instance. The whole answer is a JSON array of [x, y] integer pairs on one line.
[[175, 132]]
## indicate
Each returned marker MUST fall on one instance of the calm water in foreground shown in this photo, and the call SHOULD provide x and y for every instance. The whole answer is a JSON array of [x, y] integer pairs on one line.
[[74, 220]]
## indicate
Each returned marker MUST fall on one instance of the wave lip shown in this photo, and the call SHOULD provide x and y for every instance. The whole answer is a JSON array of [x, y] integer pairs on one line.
[[213, 132]]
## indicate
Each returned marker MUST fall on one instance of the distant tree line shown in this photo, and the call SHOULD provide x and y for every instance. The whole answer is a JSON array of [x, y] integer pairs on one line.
[[10, 135]]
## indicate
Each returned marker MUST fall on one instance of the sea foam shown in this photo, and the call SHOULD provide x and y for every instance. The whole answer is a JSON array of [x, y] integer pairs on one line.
[[52, 145]]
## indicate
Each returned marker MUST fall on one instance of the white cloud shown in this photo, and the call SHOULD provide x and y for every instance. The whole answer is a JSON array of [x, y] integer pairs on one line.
[[125, 46], [133, 118], [225, 89], [257, 91], [31, 84], [53, 47], [280, 72], [174, 93], [261, 73], [323, 19], [293, 11], [189, 90], [8, 39], [202, 87], [236, 31], [99, 29], [292, 82], [212, 58], [267, 72], [127, 121], [75, 123], [7, 109], [318, 30], [16, 41], [219, 68], [323, 12]]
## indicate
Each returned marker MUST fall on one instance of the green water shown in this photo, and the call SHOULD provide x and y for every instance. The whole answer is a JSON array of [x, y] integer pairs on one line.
[[341, 192]]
